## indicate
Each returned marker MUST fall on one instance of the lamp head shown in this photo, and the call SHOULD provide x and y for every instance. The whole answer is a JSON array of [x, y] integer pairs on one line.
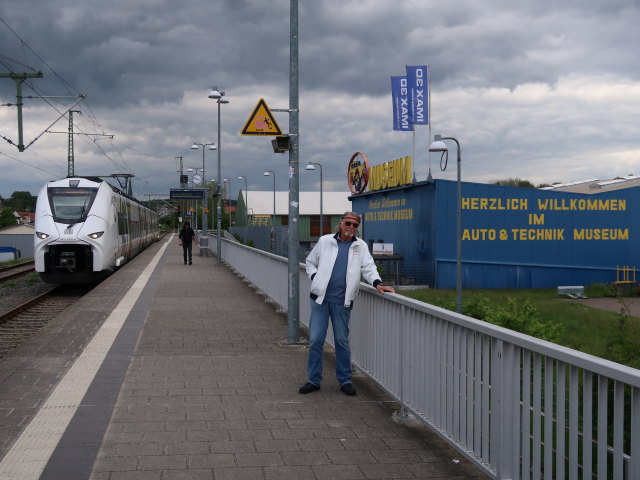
[[438, 146], [309, 167], [223, 98], [266, 174], [213, 147], [241, 177], [214, 93], [194, 146], [189, 169]]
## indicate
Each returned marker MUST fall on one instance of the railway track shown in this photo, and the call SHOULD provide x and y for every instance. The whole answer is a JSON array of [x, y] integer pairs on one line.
[[24, 320], [13, 271]]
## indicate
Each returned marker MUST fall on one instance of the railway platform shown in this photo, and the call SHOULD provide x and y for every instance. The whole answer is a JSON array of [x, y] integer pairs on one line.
[[172, 371]]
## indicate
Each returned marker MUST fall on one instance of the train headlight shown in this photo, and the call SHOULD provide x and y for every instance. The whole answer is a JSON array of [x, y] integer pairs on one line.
[[95, 235], [42, 235]]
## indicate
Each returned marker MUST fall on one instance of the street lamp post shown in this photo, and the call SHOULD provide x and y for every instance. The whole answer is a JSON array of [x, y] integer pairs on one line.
[[204, 237], [227, 188], [246, 207], [220, 98], [438, 145], [310, 167], [266, 174]]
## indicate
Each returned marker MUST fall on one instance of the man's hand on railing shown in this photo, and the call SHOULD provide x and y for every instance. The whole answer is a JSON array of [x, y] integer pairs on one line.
[[382, 288]]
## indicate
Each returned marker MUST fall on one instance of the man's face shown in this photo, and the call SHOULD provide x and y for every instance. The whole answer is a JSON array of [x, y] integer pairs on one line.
[[349, 227]]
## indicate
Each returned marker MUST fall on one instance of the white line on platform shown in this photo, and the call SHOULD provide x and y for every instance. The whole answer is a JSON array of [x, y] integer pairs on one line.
[[31, 452]]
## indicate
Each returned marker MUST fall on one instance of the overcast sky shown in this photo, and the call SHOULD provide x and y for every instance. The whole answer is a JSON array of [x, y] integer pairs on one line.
[[547, 91]]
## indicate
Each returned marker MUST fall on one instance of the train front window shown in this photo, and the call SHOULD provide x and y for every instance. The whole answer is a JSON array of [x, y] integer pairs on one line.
[[71, 205]]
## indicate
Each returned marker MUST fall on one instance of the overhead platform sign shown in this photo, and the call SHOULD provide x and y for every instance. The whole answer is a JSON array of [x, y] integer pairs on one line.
[[261, 122], [186, 194]]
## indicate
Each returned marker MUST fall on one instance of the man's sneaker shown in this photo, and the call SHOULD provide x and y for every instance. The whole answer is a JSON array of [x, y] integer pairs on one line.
[[308, 388], [190, 263], [348, 389]]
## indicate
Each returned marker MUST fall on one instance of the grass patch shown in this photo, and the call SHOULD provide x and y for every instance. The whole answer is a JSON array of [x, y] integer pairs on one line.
[[8, 263], [605, 334], [32, 279]]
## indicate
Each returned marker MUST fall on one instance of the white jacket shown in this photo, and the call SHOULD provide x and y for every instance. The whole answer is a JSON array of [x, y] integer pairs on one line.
[[322, 258]]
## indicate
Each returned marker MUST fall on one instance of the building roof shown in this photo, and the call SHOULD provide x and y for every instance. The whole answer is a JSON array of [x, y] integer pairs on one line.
[[25, 217], [597, 186], [333, 203]]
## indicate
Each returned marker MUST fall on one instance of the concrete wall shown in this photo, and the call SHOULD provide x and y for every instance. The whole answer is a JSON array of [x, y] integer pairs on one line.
[[23, 242]]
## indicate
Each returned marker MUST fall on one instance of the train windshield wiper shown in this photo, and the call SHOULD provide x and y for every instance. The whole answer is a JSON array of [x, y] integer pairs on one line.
[[84, 208]]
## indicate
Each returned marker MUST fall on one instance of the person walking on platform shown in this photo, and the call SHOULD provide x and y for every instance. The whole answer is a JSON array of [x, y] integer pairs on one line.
[[185, 238], [334, 266]]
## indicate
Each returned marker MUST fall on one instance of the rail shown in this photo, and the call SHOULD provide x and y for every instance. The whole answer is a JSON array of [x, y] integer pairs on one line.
[[516, 406], [16, 270]]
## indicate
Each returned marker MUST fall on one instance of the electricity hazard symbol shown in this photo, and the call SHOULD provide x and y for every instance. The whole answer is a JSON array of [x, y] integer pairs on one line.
[[261, 121]]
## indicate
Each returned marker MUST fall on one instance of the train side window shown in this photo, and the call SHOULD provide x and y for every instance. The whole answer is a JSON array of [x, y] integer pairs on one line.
[[122, 223]]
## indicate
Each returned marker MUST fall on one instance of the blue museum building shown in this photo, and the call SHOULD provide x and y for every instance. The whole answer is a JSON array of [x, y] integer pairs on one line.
[[511, 237]]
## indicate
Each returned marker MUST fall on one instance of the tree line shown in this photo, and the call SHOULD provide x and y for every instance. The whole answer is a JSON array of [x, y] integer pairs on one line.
[[19, 201]]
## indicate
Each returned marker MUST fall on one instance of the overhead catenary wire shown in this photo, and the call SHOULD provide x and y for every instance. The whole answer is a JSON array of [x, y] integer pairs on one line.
[[114, 153], [11, 64], [29, 165]]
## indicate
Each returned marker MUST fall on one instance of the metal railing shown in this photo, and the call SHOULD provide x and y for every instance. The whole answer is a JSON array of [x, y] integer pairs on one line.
[[516, 406]]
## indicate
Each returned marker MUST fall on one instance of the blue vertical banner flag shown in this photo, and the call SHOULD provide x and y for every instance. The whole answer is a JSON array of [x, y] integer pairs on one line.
[[400, 100], [418, 94]]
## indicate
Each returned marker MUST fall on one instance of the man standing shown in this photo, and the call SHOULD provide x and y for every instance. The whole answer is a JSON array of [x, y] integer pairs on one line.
[[334, 266], [186, 237]]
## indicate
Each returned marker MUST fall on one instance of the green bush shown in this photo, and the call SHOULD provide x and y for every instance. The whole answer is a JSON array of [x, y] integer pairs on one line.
[[621, 347], [517, 315], [599, 290], [525, 318]]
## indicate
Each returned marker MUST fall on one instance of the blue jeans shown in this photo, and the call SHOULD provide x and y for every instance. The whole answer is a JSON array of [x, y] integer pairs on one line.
[[318, 324]]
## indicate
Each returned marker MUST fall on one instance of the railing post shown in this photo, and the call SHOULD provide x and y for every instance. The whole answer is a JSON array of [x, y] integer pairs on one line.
[[495, 445], [634, 467], [403, 414]]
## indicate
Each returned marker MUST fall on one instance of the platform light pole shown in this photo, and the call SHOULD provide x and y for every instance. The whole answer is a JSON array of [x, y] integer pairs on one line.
[[204, 245], [310, 167], [268, 173], [246, 207], [220, 98], [438, 145], [293, 263], [227, 189]]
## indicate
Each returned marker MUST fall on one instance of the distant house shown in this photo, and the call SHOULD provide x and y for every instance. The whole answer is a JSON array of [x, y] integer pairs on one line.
[[260, 210], [25, 217]]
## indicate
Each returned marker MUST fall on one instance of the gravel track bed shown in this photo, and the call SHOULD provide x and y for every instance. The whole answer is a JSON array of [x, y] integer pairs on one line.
[[21, 289]]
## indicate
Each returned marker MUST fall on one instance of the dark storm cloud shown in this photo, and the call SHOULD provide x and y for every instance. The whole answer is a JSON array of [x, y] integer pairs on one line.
[[530, 88]]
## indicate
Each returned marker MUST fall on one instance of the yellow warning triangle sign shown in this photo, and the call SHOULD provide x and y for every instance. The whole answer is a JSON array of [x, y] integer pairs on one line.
[[261, 122]]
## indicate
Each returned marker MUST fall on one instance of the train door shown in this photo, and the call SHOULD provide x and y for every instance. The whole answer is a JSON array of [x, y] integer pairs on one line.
[[123, 229], [129, 250]]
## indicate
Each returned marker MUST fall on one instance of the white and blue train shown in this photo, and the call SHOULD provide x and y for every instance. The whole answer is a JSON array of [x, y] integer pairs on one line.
[[85, 228]]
